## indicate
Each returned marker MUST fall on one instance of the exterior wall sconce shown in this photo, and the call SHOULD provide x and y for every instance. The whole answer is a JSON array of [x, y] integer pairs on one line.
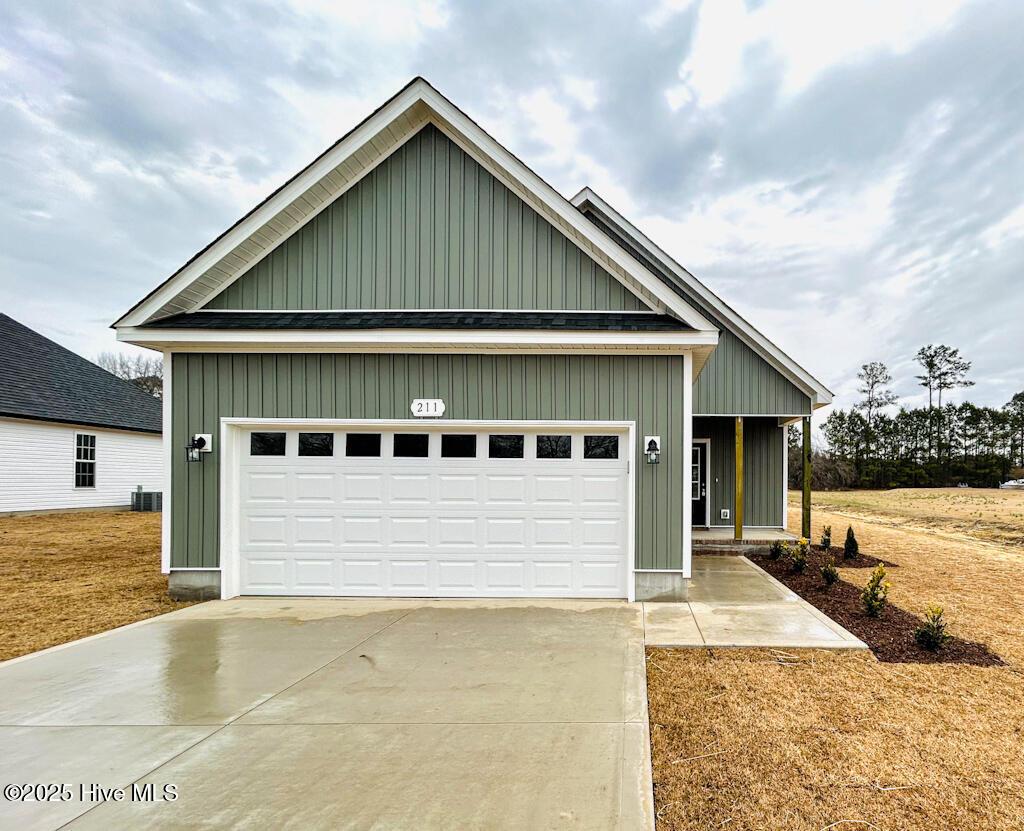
[[198, 444], [652, 445]]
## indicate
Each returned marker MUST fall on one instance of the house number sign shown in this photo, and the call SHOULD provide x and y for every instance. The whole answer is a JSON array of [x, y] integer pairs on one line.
[[427, 407]]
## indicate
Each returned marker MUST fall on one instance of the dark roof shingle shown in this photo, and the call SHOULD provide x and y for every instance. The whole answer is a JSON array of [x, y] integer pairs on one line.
[[613, 322], [42, 380]]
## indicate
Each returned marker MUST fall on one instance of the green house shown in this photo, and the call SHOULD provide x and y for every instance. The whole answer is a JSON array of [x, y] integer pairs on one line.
[[417, 370]]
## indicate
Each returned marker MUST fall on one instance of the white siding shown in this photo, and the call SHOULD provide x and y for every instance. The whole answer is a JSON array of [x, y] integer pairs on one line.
[[37, 466]]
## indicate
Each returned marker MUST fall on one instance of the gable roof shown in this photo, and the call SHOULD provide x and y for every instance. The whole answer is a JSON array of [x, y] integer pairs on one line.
[[40, 379], [343, 164], [683, 282]]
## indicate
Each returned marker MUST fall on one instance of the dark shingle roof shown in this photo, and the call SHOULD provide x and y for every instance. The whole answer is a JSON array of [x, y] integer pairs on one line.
[[615, 322], [42, 380]]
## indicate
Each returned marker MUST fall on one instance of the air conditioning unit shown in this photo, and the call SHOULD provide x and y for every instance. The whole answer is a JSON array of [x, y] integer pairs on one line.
[[147, 500]]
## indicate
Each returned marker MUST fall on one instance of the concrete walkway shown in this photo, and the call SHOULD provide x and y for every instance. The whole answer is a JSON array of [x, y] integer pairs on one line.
[[308, 714], [732, 602]]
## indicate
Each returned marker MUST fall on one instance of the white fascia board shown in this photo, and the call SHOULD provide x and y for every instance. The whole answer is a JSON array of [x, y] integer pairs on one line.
[[482, 147], [820, 394], [525, 340]]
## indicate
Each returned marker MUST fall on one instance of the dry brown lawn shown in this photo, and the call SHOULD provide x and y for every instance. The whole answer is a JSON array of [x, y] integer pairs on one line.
[[760, 739], [987, 514], [65, 576]]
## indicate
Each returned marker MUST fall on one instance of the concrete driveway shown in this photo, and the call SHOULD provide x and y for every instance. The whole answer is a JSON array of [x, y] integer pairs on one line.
[[338, 714]]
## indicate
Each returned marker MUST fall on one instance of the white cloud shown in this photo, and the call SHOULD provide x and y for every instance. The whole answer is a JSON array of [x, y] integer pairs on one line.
[[804, 37]]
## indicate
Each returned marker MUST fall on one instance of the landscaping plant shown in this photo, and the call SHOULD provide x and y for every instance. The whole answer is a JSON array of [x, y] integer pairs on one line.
[[776, 550], [798, 556], [850, 547], [826, 537], [875, 592], [931, 634], [829, 572]]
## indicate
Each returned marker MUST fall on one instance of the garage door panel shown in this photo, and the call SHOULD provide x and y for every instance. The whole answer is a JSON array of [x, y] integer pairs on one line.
[[446, 527], [263, 487], [362, 531], [505, 532], [266, 530], [315, 530], [458, 532], [315, 574]]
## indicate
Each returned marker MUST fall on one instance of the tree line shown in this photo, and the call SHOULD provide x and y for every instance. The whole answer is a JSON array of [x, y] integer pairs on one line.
[[940, 445]]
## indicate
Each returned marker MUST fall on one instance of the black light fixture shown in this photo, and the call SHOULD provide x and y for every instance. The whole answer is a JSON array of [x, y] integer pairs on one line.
[[653, 449], [193, 448]]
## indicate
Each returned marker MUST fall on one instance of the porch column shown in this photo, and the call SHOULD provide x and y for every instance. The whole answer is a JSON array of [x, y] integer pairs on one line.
[[805, 519], [738, 500]]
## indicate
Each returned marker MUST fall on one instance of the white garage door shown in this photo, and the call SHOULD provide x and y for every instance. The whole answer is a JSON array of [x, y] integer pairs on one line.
[[507, 512]]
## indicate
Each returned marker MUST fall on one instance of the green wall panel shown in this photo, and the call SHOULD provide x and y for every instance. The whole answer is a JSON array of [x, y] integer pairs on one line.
[[429, 228], [736, 380], [645, 389], [762, 468]]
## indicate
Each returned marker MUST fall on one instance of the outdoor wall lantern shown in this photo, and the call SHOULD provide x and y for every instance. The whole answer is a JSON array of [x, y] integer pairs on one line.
[[653, 449], [197, 445]]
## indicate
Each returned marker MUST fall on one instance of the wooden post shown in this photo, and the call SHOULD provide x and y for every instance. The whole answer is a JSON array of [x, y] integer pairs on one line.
[[805, 519], [738, 512]]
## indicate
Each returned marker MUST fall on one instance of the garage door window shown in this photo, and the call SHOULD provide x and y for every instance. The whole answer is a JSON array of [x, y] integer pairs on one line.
[[554, 447], [506, 447], [458, 447], [316, 444], [362, 444], [412, 445], [600, 447], [266, 444]]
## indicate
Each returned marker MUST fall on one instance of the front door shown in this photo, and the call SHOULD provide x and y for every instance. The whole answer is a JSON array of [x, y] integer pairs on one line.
[[699, 486]]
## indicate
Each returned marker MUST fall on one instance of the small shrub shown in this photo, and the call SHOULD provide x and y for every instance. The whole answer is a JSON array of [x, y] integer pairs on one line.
[[931, 634], [850, 548], [875, 592], [798, 556], [776, 550], [829, 573], [826, 537]]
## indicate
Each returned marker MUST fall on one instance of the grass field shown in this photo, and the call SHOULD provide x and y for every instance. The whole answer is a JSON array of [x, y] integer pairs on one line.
[[65, 576], [986, 514], [760, 739]]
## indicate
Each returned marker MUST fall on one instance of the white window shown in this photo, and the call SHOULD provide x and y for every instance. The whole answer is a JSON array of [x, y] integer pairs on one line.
[[85, 460]]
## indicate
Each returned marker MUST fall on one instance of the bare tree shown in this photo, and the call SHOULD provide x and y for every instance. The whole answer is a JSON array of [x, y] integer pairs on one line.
[[141, 370], [874, 380]]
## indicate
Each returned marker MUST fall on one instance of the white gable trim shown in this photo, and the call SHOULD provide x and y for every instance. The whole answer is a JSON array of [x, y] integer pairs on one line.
[[819, 393], [253, 237]]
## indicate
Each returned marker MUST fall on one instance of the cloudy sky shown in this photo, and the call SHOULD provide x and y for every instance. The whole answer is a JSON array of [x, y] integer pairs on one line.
[[849, 175]]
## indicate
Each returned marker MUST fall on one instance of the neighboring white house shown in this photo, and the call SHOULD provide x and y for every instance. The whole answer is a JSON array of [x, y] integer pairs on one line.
[[71, 434]]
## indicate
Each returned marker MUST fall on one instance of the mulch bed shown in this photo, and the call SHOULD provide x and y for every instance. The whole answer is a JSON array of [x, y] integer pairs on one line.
[[860, 561], [891, 636]]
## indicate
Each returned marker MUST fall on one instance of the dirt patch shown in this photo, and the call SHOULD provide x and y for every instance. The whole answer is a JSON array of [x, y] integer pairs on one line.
[[891, 635], [66, 576]]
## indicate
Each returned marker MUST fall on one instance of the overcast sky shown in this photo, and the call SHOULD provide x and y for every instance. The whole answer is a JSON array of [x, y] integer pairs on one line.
[[848, 175]]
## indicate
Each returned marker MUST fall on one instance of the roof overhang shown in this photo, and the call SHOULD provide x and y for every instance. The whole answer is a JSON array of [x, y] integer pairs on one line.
[[425, 341], [819, 394], [352, 157]]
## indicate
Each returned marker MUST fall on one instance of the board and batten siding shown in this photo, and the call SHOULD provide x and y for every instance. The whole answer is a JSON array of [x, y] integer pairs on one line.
[[736, 380], [645, 389], [763, 443], [38, 463], [429, 228]]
